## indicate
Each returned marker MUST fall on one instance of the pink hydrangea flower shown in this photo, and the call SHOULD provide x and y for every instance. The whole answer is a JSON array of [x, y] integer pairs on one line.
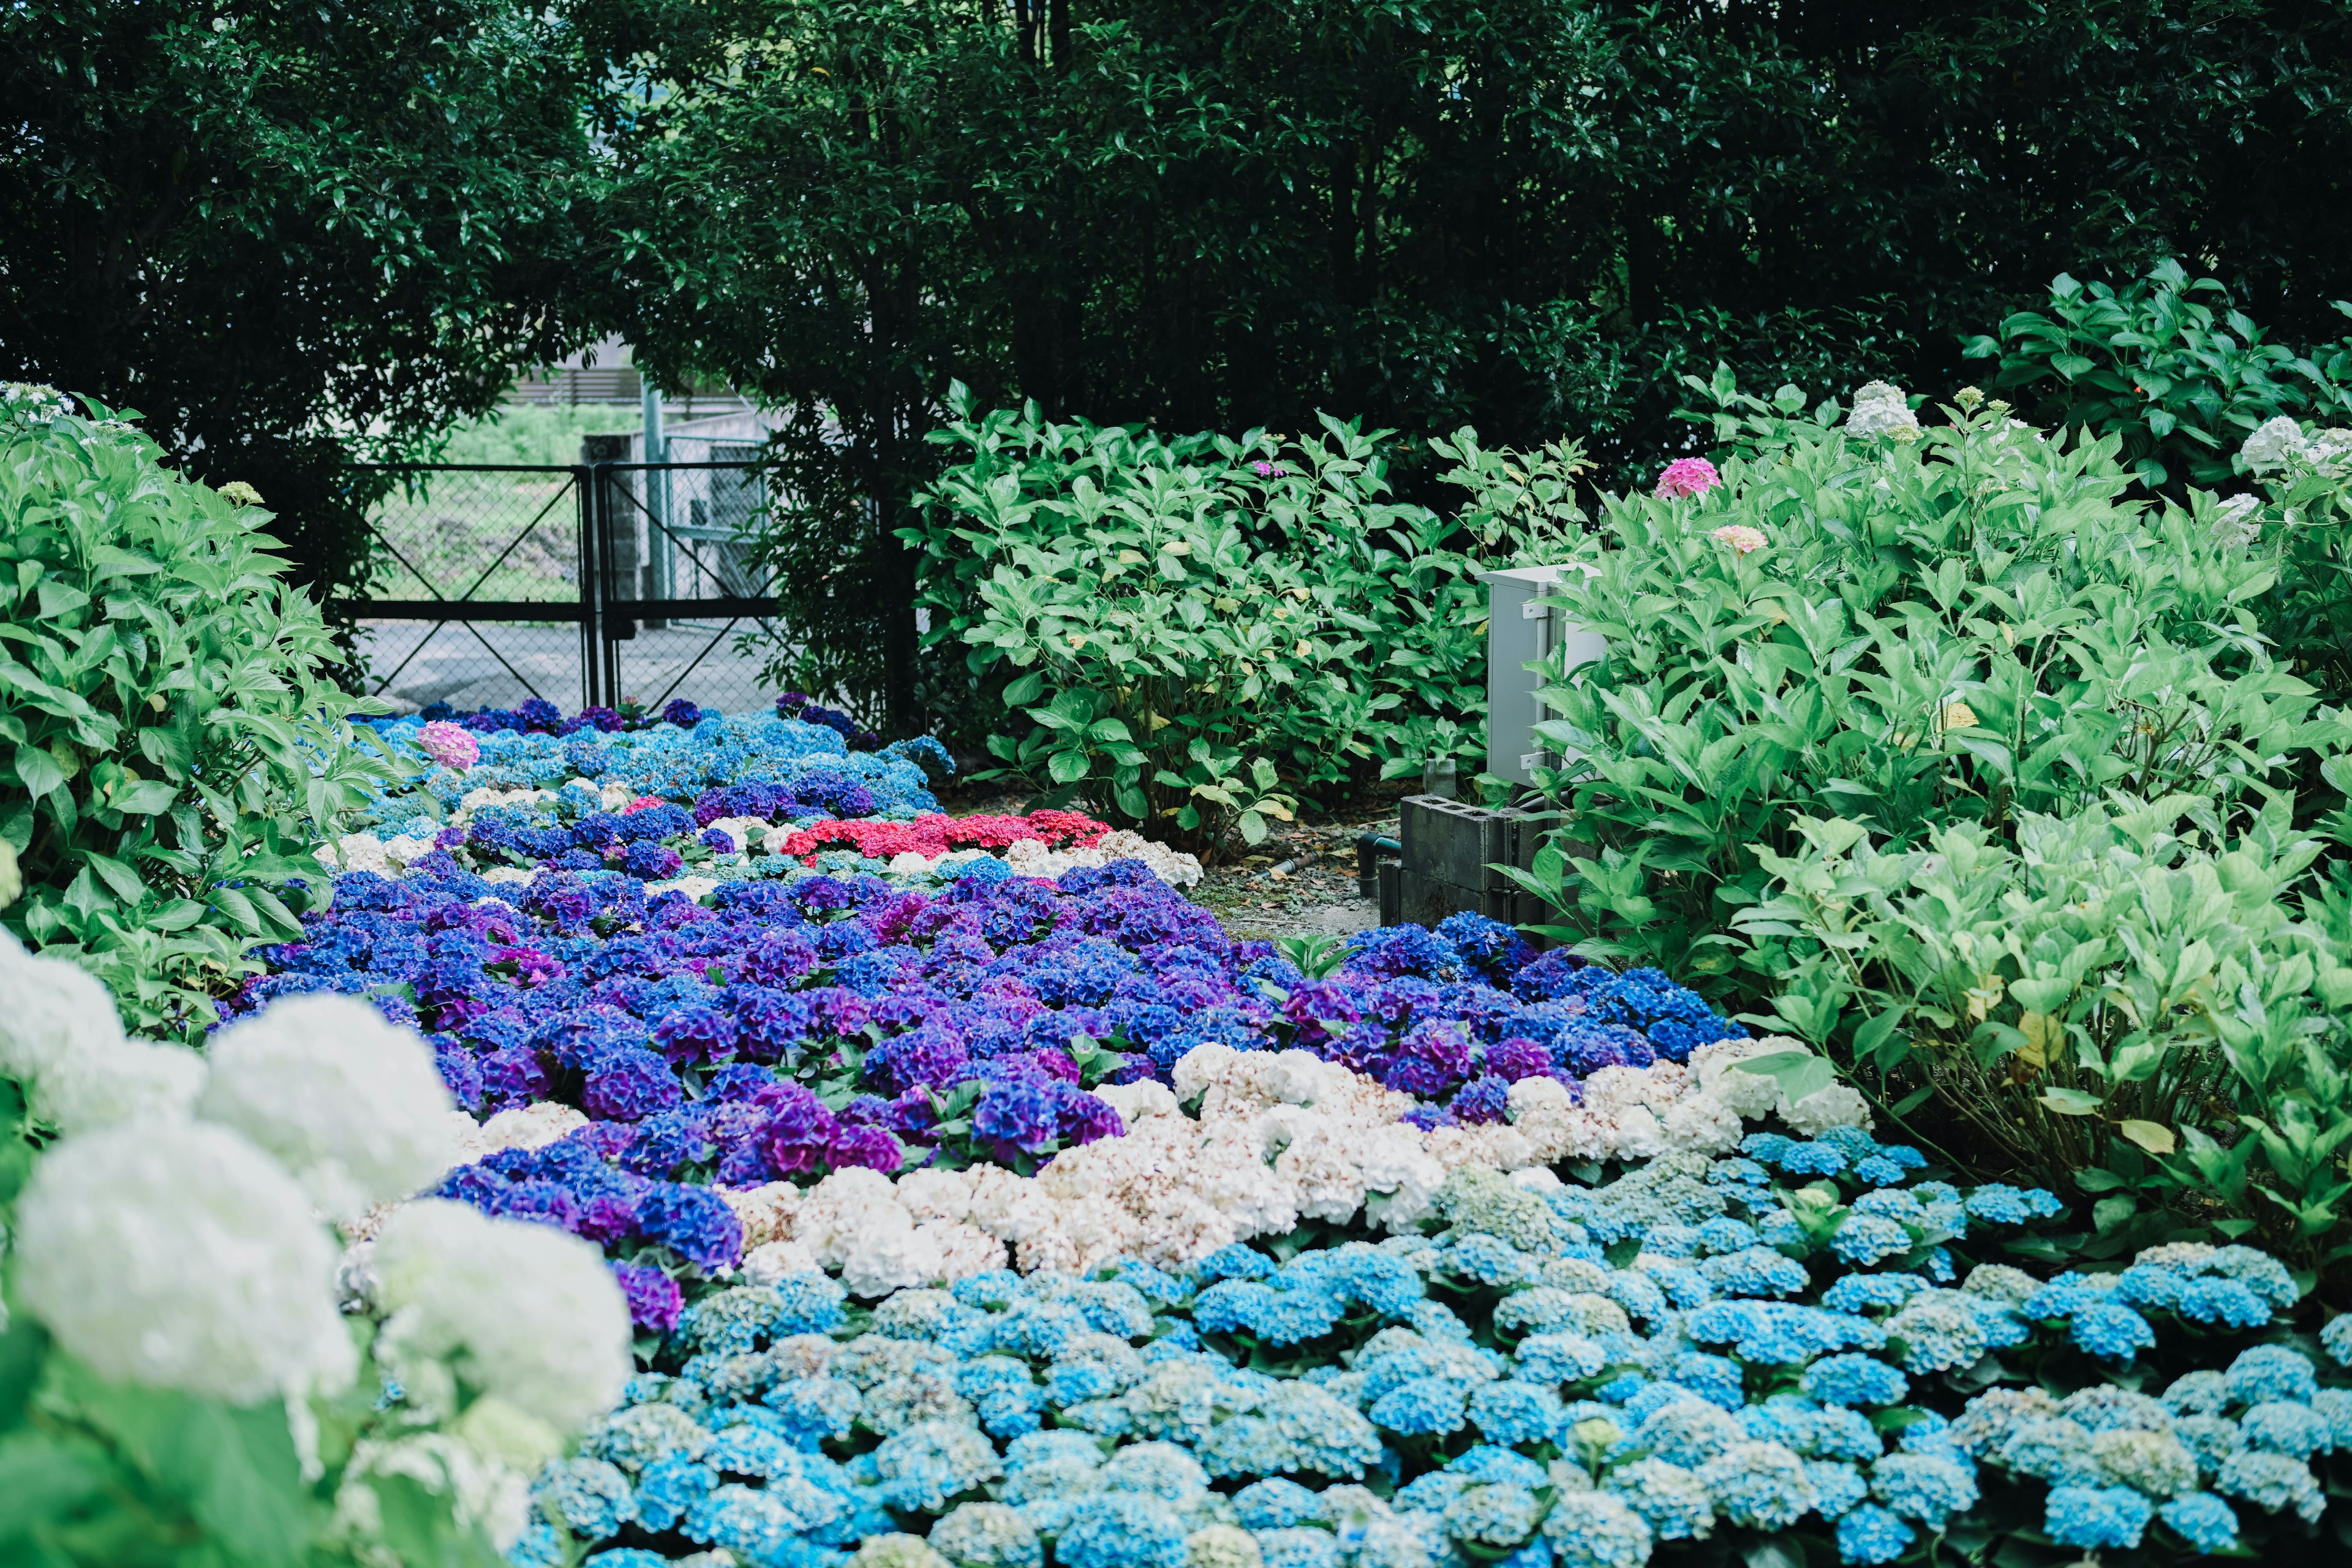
[[1739, 536], [451, 745], [1688, 477], [643, 803]]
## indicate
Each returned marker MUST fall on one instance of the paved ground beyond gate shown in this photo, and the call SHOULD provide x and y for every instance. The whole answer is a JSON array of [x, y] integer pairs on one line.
[[484, 665]]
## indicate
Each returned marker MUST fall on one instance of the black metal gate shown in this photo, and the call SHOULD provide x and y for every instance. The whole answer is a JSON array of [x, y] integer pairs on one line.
[[587, 582]]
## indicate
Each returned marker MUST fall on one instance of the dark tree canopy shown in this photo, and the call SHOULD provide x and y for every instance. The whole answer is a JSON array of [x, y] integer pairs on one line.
[[260, 224], [1525, 215], [263, 224]]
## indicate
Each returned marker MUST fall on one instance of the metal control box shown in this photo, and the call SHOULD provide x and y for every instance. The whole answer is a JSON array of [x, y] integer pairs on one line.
[[1522, 636]]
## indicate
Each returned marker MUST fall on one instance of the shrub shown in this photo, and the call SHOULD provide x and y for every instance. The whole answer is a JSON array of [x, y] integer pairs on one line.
[[2115, 1003], [185, 1371], [1915, 628], [2165, 363], [1202, 629], [173, 749]]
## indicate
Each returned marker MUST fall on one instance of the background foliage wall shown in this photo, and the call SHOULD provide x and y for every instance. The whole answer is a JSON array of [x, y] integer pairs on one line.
[[263, 224], [1526, 215], [270, 226]]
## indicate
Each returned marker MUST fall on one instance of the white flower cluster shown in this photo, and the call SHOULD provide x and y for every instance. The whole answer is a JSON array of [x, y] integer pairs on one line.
[[349, 1103], [176, 1254], [1031, 857], [1028, 858], [1275, 1138], [2237, 522], [60, 1036], [1880, 408], [521, 1313], [2280, 443], [174, 1238], [1757, 1095]]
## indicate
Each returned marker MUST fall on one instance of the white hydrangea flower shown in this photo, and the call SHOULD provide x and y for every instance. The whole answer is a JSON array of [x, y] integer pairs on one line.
[[964, 1249], [770, 1262], [532, 1126], [1748, 1094], [1881, 410], [881, 1260], [176, 1254], [523, 1312], [1134, 1101], [481, 1491], [2275, 443], [2331, 452], [1839, 1105], [59, 1033], [765, 1212], [2237, 522], [124, 1080], [349, 1102]]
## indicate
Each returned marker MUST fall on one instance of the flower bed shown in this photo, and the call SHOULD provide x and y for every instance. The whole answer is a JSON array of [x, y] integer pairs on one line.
[[642, 1048], [696, 793], [975, 1220], [1791, 1347]]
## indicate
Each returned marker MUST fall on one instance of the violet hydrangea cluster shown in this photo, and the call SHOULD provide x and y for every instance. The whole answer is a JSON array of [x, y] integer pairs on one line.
[[578, 987]]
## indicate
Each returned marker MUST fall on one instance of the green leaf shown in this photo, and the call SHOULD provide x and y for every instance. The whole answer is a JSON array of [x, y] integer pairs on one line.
[[39, 770], [239, 907], [1914, 1101], [1066, 767], [1799, 1073], [2070, 1102], [1024, 689]]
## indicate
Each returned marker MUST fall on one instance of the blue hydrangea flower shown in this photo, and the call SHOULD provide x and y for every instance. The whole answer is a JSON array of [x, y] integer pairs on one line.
[[1854, 1380], [1595, 1529], [2202, 1520], [2272, 1372], [1869, 1534], [1926, 1488], [2093, 1517], [1670, 1499], [1758, 1485]]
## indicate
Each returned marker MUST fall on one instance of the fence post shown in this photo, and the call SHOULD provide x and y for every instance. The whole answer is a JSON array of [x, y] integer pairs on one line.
[[592, 602], [599, 453]]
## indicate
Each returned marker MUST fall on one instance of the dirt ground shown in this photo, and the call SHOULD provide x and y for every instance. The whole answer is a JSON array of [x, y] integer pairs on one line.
[[1300, 882]]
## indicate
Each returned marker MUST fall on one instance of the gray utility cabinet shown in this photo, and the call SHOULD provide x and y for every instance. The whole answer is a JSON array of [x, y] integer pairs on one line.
[[1522, 632]]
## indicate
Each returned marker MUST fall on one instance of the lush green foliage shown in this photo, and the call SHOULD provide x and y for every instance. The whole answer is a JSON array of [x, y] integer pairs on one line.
[[1525, 217], [284, 231], [1198, 629], [1985, 778], [2123, 1004], [1973, 625], [2167, 364], [174, 748]]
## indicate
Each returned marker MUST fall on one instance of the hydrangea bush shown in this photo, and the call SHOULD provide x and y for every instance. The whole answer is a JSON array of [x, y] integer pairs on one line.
[[187, 1379], [785, 1028], [171, 738]]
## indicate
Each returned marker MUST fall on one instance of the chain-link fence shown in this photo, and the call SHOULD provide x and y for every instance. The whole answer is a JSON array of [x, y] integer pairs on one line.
[[602, 581]]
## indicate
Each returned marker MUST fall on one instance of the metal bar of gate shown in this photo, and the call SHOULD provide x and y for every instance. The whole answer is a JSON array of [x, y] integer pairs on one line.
[[617, 605]]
